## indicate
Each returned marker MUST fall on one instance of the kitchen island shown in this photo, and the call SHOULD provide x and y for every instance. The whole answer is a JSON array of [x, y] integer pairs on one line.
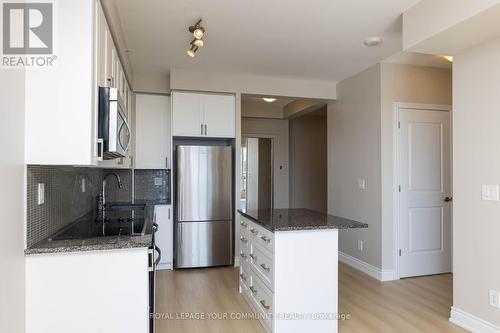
[[289, 268]]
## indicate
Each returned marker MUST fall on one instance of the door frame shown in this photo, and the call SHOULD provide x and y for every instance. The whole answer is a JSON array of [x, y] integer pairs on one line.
[[397, 106], [272, 137]]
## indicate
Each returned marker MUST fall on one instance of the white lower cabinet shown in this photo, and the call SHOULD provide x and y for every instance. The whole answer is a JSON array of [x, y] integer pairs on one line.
[[290, 278], [164, 237], [82, 292]]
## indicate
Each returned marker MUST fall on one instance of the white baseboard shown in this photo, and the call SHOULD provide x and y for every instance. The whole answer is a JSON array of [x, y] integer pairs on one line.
[[164, 266], [374, 272], [237, 261], [471, 323]]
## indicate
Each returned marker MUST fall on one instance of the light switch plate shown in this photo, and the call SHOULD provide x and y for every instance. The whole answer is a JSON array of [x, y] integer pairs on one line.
[[41, 194], [489, 192], [494, 301], [158, 181], [361, 183]]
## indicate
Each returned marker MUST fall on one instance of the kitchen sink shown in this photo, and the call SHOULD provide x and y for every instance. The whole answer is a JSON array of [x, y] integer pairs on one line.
[[120, 220]]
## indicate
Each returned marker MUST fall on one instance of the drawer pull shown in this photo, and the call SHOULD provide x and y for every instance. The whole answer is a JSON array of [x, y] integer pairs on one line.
[[243, 224], [253, 231], [243, 255], [243, 277], [268, 269], [265, 239], [243, 239], [263, 303], [253, 290], [254, 257]]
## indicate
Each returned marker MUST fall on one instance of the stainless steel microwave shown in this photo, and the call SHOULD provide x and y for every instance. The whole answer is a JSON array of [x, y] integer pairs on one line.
[[113, 130]]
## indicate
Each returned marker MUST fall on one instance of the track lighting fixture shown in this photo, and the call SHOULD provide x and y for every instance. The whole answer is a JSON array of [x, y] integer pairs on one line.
[[192, 51], [198, 32]]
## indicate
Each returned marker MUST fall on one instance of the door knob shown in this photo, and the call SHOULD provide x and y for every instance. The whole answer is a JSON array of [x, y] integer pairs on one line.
[[448, 199]]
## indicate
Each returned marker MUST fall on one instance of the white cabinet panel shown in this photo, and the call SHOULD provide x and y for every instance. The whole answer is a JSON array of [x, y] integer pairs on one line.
[[152, 131], [219, 115], [81, 292], [203, 115], [187, 114], [164, 235]]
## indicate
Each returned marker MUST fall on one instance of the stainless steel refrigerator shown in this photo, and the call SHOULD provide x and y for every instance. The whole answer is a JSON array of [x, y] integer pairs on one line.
[[204, 178]]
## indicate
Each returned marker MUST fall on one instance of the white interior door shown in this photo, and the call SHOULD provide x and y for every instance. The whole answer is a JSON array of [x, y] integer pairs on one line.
[[425, 192]]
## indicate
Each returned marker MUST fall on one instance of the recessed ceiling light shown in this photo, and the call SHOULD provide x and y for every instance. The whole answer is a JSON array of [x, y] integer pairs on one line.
[[373, 41], [449, 58], [268, 99]]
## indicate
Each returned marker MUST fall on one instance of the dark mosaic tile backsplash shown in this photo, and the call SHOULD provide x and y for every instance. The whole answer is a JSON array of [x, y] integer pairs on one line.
[[64, 200], [145, 187]]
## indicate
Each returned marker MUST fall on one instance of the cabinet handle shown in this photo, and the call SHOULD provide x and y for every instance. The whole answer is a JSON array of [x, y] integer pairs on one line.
[[243, 255], [243, 224], [264, 267], [201, 129], [263, 303], [265, 239], [254, 257], [169, 213], [243, 239], [243, 277], [253, 290], [253, 231], [205, 129]]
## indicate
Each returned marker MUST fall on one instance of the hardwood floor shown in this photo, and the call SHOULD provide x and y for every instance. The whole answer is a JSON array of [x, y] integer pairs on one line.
[[409, 305]]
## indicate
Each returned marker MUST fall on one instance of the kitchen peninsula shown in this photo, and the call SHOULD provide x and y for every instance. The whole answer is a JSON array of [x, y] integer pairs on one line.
[[289, 267]]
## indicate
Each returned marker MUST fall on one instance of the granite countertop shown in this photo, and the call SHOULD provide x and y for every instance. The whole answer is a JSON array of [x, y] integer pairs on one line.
[[99, 243], [298, 219]]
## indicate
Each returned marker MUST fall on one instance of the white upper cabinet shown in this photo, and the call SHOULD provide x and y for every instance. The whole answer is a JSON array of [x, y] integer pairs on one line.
[[219, 115], [203, 115], [187, 116], [62, 101], [153, 140]]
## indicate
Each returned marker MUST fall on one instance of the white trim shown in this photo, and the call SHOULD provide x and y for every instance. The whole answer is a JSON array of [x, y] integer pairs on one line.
[[163, 266], [471, 323], [374, 272], [396, 181], [237, 261]]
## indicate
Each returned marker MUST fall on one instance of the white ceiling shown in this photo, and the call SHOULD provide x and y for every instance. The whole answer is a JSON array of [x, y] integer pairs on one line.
[[314, 39]]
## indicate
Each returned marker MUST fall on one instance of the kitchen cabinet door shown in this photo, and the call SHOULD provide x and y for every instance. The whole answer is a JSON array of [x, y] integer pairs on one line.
[[187, 117], [164, 236], [219, 115], [152, 132]]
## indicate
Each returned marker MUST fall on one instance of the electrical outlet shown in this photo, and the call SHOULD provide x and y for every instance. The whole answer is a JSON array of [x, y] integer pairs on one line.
[[158, 181], [494, 295], [489, 192], [41, 194], [360, 245]]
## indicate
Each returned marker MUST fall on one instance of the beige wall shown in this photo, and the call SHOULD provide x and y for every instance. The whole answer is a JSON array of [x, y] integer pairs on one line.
[[408, 84], [308, 162], [354, 152], [257, 109], [361, 126], [182, 79], [476, 137], [12, 286], [278, 130]]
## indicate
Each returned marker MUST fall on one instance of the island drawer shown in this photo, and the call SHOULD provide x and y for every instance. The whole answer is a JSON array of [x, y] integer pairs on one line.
[[262, 265], [263, 300], [261, 236]]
